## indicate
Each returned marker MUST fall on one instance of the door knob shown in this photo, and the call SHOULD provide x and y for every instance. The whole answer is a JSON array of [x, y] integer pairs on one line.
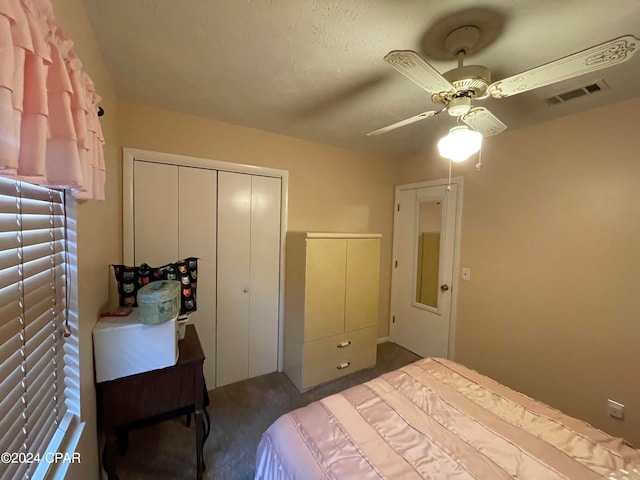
[[444, 287]]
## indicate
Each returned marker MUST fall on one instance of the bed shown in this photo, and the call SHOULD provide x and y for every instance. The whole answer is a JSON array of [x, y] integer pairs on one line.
[[436, 419]]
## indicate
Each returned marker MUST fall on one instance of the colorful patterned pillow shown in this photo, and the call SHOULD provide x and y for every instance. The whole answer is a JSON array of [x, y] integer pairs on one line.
[[131, 279]]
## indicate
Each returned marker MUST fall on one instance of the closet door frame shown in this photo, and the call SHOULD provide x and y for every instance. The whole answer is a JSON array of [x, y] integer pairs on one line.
[[131, 155]]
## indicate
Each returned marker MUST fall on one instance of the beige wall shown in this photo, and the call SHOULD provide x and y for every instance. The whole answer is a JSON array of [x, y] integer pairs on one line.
[[330, 189], [551, 232], [99, 230]]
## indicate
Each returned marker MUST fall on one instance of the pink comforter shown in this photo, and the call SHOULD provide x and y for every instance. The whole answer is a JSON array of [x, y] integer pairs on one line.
[[435, 419]]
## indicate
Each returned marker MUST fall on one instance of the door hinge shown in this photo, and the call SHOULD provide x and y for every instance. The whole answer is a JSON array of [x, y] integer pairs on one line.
[[393, 319], [398, 207], [396, 264]]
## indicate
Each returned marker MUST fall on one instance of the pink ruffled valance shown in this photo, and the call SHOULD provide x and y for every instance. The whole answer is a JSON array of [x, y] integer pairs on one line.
[[49, 129]]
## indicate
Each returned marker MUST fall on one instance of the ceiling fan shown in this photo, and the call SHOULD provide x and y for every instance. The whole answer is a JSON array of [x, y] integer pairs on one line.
[[456, 89]]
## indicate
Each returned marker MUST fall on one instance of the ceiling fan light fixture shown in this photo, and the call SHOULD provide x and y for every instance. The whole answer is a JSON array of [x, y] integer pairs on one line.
[[460, 143]]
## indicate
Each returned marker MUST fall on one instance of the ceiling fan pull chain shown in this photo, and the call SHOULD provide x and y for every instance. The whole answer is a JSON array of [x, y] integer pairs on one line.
[[479, 165], [449, 186]]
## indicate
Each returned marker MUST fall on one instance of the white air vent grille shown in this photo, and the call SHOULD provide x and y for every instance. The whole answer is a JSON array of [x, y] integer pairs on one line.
[[589, 89]]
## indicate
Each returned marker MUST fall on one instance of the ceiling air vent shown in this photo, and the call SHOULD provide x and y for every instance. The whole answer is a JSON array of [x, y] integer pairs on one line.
[[578, 92]]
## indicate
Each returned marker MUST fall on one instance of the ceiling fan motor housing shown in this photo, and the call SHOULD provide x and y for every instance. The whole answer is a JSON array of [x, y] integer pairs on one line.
[[470, 81], [459, 106]]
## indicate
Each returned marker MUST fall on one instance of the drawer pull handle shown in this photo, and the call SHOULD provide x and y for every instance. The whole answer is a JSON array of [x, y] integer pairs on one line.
[[343, 365], [344, 344]]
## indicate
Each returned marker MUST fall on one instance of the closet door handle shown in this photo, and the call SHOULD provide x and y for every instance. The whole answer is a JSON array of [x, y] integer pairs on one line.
[[344, 344], [246, 290], [343, 365]]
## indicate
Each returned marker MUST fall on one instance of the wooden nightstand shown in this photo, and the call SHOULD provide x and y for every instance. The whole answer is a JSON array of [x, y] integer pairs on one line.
[[154, 396]]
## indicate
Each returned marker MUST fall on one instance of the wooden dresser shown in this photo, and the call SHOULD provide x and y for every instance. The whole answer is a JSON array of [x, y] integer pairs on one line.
[[331, 305]]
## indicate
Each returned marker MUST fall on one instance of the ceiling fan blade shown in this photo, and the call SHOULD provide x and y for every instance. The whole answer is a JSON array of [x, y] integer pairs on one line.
[[418, 71], [595, 58], [485, 122], [420, 116]]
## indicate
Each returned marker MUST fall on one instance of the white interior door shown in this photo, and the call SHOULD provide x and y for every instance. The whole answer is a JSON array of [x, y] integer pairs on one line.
[[264, 280], [197, 238], [164, 193], [234, 263], [248, 276], [423, 275], [175, 218]]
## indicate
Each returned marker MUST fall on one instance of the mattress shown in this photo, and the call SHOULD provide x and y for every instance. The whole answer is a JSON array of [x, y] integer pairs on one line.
[[436, 419]]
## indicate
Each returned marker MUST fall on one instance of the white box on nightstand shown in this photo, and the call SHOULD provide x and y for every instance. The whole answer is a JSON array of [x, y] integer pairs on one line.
[[123, 346]]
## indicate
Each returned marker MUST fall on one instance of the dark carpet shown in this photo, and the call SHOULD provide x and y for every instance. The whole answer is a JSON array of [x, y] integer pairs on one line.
[[239, 413]]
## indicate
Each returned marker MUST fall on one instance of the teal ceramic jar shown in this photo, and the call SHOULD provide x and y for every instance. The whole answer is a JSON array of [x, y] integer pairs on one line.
[[159, 301]]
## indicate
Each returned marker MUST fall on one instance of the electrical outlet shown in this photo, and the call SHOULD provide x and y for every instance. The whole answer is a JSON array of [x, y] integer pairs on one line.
[[615, 409], [466, 273]]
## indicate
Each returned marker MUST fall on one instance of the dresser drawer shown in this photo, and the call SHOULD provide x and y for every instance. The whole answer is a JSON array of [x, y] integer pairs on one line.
[[339, 355]]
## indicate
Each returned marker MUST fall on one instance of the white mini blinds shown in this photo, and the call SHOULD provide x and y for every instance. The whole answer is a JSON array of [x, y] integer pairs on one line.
[[32, 319]]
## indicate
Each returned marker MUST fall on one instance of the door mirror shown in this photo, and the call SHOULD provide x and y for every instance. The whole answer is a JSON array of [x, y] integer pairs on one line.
[[428, 255]]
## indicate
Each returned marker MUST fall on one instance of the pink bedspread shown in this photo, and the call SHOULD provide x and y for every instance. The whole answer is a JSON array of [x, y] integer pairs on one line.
[[435, 419]]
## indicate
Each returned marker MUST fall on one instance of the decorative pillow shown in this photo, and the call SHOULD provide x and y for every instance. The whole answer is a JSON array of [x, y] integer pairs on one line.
[[131, 279]]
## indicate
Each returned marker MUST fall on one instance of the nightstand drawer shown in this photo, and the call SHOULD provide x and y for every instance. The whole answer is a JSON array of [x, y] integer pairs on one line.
[[339, 355]]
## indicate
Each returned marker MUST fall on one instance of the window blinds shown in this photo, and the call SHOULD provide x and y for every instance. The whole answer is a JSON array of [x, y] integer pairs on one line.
[[32, 315]]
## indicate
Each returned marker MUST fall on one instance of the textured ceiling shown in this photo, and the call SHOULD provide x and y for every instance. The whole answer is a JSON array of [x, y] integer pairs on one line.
[[313, 69]]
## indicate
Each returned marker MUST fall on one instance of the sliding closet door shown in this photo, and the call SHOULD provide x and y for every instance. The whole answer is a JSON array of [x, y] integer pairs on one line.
[[155, 193], [197, 238], [248, 275]]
